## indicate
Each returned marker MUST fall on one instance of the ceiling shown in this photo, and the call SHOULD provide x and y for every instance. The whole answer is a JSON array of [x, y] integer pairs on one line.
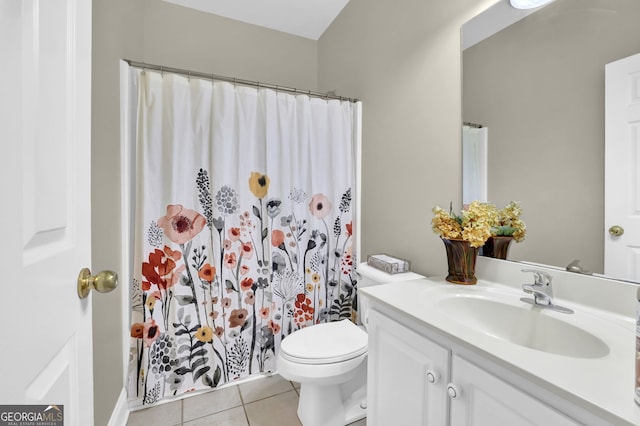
[[304, 18]]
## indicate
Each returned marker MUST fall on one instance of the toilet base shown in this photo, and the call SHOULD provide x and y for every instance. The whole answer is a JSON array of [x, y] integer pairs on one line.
[[324, 406], [334, 404]]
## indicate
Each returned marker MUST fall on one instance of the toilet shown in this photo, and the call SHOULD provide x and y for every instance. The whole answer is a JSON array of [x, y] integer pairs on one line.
[[329, 361]]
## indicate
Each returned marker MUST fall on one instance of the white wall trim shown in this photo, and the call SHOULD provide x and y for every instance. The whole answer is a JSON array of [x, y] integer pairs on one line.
[[126, 210], [120, 413]]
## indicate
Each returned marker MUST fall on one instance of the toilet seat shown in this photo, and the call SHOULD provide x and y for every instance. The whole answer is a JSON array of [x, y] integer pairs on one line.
[[326, 343]]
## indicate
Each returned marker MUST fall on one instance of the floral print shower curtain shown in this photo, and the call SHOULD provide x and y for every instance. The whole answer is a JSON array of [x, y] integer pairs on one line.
[[243, 229]]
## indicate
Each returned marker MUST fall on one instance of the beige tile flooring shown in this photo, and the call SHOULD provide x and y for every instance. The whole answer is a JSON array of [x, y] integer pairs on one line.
[[266, 401]]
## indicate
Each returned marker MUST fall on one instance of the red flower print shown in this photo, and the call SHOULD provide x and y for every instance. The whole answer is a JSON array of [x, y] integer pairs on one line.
[[349, 227], [234, 234], [274, 326], [174, 276], [246, 284], [219, 331], [150, 332], [173, 254], [320, 206], [238, 317], [207, 272], [180, 225], [137, 330], [277, 237], [244, 270], [303, 310], [264, 312], [346, 264], [160, 270], [230, 260], [247, 250]]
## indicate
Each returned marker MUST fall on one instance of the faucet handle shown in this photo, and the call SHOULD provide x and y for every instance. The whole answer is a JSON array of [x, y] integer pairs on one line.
[[540, 277]]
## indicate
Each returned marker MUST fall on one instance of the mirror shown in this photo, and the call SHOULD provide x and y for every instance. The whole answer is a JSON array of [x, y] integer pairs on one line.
[[537, 86]]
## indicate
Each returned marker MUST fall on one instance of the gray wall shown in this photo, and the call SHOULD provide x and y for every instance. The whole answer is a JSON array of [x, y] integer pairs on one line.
[[403, 60], [539, 88], [117, 33], [157, 32]]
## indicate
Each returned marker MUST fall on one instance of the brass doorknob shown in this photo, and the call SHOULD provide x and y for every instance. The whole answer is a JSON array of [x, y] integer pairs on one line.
[[616, 231], [104, 282]]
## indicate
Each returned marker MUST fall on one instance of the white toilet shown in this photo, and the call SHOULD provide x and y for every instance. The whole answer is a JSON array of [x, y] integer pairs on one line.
[[329, 362]]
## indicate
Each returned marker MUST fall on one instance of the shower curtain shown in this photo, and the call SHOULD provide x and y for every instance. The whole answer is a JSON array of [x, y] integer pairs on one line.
[[243, 229], [474, 164]]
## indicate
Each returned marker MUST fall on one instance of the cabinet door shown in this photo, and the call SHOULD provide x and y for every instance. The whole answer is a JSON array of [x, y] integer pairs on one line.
[[407, 376], [483, 399]]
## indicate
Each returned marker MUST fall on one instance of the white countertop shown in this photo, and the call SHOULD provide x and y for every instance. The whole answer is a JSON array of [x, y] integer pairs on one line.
[[603, 385]]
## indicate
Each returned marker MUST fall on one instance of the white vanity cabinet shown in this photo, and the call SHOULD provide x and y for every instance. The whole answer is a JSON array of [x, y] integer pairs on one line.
[[407, 376], [413, 380], [481, 399]]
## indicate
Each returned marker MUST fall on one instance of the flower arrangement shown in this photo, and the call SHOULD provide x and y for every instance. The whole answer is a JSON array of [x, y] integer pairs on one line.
[[473, 224], [508, 223], [479, 222]]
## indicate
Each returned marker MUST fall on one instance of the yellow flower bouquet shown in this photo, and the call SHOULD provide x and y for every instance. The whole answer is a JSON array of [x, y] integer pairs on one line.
[[479, 225], [507, 227], [462, 235], [473, 224], [508, 223]]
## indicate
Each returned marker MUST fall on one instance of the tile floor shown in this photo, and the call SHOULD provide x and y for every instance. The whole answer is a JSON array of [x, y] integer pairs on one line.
[[266, 401]]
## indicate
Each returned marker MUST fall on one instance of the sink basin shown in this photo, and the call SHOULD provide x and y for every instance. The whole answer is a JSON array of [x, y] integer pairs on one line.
[[522, 324]]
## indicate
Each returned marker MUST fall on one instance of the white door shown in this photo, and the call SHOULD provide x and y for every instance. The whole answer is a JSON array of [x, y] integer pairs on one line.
[[622, 167], [45, 100]]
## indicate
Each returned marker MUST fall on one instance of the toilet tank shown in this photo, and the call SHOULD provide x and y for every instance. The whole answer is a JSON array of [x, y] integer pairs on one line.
[[370, 276]]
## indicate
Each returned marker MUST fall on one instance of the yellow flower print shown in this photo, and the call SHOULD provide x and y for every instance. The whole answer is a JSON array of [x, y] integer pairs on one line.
[[259, 184], [315, 278], [204, 334], [309, 287], [151, 303]]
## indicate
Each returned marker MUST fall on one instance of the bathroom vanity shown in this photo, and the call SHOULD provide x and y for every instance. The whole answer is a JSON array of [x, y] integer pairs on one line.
[[447, 354]]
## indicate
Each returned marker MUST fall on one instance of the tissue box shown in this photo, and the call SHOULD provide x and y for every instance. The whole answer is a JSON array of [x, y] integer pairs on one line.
[[389, 264]]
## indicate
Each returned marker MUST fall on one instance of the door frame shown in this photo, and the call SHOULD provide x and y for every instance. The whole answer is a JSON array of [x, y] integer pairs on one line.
[[128, 96]]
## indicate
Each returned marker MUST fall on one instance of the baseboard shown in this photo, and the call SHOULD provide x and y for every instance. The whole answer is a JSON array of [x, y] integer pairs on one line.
[[120, 413]]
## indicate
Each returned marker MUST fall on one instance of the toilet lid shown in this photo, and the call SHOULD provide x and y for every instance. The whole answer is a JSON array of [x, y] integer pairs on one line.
[[325, 343]]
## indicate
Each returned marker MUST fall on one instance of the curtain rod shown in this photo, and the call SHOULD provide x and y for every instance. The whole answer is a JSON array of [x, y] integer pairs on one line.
[[197, 74], [474, 125]]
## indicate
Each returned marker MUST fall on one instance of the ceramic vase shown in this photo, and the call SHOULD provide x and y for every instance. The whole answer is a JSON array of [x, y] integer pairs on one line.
[[496, 247], [461, 260]]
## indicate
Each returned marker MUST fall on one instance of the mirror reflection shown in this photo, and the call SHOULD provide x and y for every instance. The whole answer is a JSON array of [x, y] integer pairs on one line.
[[537, 87]]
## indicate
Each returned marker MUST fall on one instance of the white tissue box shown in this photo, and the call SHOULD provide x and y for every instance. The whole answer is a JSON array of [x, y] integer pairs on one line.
[[388, 264]]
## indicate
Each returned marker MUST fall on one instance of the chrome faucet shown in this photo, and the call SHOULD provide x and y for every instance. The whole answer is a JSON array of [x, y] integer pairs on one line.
[[542, 291]]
